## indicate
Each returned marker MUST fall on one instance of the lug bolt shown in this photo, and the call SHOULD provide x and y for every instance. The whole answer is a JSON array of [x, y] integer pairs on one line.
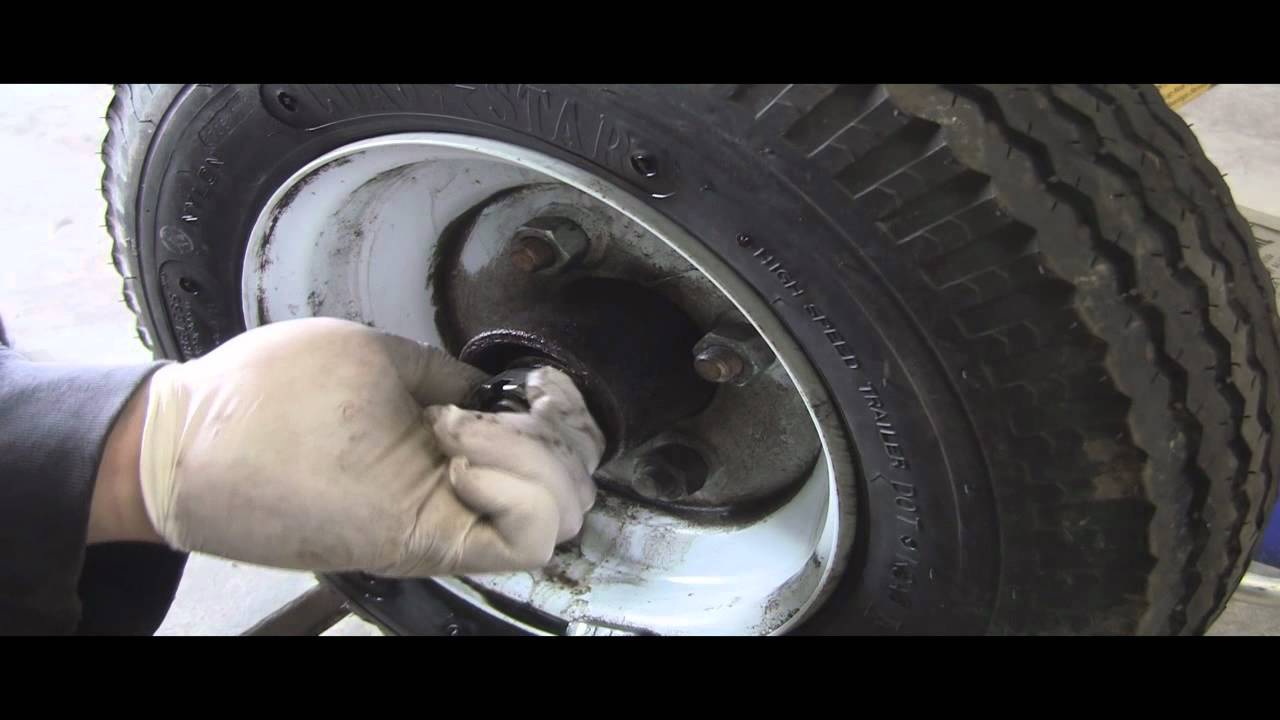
[[718, 364], [532, 254], [670, 472], [731, 352], [549, 244], [655, 480]]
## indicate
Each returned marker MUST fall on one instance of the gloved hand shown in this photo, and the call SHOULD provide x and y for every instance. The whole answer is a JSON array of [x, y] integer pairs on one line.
[[556, 444], [317, 444]]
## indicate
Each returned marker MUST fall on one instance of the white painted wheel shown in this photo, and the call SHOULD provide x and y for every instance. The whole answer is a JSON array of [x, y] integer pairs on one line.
[[354, 233]]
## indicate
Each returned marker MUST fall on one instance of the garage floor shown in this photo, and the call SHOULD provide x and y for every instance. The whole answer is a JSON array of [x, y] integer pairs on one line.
[[61, 297]]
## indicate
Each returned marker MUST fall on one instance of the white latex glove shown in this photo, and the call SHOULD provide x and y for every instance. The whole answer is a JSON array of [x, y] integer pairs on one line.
[[556, 444], [303, 444]]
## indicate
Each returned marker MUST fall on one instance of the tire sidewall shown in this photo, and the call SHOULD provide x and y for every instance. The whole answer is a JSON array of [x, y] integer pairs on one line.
[[924, 555]]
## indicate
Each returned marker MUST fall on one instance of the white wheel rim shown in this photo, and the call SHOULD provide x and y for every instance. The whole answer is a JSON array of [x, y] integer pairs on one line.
[[352, 234]]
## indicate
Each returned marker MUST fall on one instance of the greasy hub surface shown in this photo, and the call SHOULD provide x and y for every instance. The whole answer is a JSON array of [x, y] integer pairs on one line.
[[482, 292]]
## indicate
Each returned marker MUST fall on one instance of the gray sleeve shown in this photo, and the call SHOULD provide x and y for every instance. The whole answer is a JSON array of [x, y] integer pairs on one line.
[[54, 421]]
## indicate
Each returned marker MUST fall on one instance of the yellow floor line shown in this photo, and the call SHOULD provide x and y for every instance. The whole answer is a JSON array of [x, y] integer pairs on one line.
[[1178, 95]]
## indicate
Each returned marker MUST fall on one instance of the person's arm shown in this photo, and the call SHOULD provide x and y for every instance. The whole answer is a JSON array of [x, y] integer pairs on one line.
[[117, 512], [55, 421], [314, 444], [325, 445]]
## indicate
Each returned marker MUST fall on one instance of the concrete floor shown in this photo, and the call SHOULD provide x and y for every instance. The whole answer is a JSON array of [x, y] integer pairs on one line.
[[1239, 128], [61, 297]]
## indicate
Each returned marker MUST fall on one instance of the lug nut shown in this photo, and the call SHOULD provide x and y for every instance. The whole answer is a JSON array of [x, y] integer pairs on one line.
[[718, 364], [670, 472], [532, 254], [549, 244], [731, 352]]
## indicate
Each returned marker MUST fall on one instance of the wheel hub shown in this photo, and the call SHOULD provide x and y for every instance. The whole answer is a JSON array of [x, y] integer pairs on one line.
[[627, 349], [542, 269]]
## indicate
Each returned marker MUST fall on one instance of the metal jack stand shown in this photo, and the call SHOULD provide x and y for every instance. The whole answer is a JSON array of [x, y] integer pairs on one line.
[[311, 613]]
